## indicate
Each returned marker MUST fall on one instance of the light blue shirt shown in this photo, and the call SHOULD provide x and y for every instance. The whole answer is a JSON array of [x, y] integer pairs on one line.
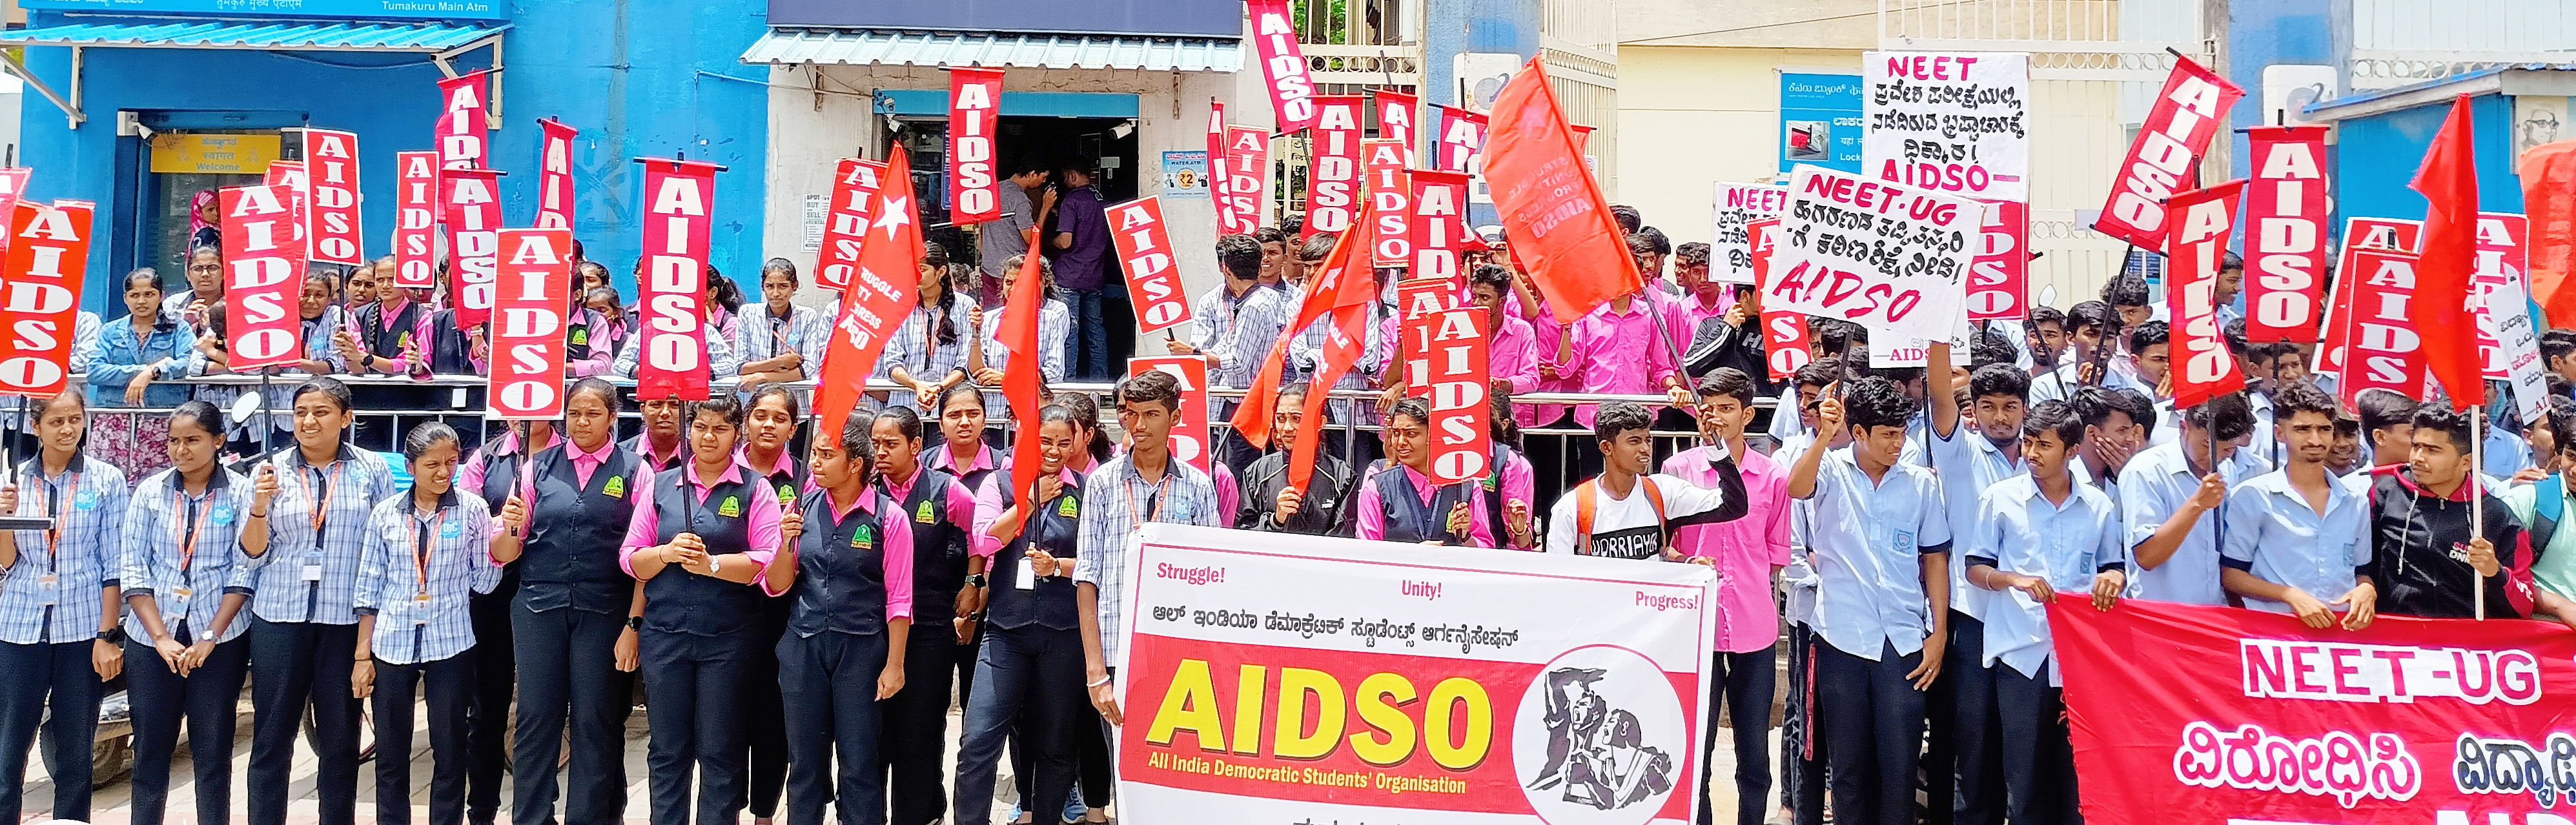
[[2060, 384], [185, 552], [2155, 483], [2274, 534], [310, 571], [1968, 463], [52, 593], [1868, 540], [2017, 530]]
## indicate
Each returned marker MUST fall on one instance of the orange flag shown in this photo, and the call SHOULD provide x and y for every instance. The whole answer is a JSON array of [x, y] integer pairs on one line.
[[1252, 417], [2449, 182], [1551, 208], [1019, 334], [2548, 175]]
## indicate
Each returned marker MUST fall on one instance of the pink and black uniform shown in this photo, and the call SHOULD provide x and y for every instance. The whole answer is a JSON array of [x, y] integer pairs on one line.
[[696, 628], [571, 606], [1031, 670], [853, 577], [943, 518]]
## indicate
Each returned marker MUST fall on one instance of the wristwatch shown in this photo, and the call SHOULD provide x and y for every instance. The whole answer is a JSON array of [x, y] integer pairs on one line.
[[976, 580], [113, 635], [634, 622], [715, 565]]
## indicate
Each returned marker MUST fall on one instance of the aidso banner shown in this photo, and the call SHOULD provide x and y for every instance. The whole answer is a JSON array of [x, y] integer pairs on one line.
[[2201, 221], [1333, 166], [1390, 208], [1283, 65], [2359, 235], [2285, 228], [1153, 277], [1999, 277], [671, 354], [471, 201], [2190, 111], [1300, 679], [416, 220], [2506, 336], [40, 287], [2383, 350], [846, 220], [461, 131], [2187, 715], [331, 181], [528, 345], [1730, 246], [1887, 256], [1784, 334], [554, 174], [1948, 122], [263, 277], [1454, 349], [1190, 425], [1247, 177], [974, 112]]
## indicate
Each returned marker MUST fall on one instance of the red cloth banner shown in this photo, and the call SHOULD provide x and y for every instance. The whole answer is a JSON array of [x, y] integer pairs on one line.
[[2189, 715], [1462, 133], [1784, 334], [263, 278], [416, 220], [880, 295], [528, 329], [974, 112], [40, 288], [1220, 167], [2503, 247], [2548, 171], [2285, 229], [461, 130], [2200, 221], [1462, 412], [1416, 300], [671, 352], [2191, 109], [1153, 276], [1333, 166], [1189, 438], [1551, 208], [472, 213], [290, 174], [2358, 234], [13, 181], [1390, 193], [845, 226], [1999, 277], [331, 182], [2447, 263], [1399, 117], [1283, 65], [1247, 185], [554, 174], [1017, 333], [2385, 342], [1324, 287], [1437, 228]]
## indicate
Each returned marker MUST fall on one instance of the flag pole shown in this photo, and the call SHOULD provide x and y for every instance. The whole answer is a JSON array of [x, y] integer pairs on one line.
[[2477, 507]]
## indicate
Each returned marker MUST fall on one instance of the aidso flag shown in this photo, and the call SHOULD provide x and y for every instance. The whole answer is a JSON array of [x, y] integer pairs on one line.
[[1887, 256], [528, 345], [1299, 679], [1948, 122]]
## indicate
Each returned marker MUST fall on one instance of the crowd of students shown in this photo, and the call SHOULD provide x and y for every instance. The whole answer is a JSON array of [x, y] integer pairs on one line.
[[802, 602]]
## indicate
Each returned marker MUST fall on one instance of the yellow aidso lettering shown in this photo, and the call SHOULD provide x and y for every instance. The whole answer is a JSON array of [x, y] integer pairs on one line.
[[1189, 704], [1293, 739], [1381, 698], [1251, 683], [1453, 752]]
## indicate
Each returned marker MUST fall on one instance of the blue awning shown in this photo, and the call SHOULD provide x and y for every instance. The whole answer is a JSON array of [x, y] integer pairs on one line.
[[263, 35], [863, 47]]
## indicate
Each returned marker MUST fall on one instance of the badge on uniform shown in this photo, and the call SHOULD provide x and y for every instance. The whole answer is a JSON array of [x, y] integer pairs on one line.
[[1489, 482], [616, 487], [85, 501], [47, 588], [923, 514], [1904, 541], [786, 493], [223, 515], [580, 336], [863, 538], [450, 529], [731, 507], [1065, 507]]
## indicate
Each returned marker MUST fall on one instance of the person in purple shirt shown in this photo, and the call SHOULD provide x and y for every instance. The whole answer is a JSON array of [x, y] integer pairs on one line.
[[1746, 552], [1083, 269]]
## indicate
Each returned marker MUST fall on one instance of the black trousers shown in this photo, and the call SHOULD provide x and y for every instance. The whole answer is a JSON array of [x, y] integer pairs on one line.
[[915, 743], [1743, 685], [2039, 763], [487, 710], [1874, 719], [294, 665], [445, 687], [205, 700], [693, 686], [1802, 743], [1968, 788], [1033, 685], [764, 720], [830, 682], [568, 676], [56, 675]]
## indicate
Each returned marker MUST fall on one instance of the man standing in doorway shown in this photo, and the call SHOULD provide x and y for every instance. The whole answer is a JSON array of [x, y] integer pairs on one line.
[[999, 239], [1084, 270]]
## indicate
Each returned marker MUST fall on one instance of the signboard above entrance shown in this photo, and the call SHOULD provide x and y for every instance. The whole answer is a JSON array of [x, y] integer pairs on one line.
[[1194, 18], [422, 9], [213, 154]]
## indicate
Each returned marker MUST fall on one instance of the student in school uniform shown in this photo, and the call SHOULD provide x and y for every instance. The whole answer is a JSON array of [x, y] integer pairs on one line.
[[2167, 495], [1270, 504], [699, 548], [186, 577], [59, 607], [962, 451], [1399, 502], [1881, 542], [1234, 327], [1747, 553], [782, 341], [1627, 514], [573, 622], [2297, 540], [660, 445], [427, 554], [1031, 663], [926, 353], [2034, 536], [302, 625], [1969, 459], [2115, 429], [948, 566], [2090, 328], [844, 568], [767, 448], [1145, 485]]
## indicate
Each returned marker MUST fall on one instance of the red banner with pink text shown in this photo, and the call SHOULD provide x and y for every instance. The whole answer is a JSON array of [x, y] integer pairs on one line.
[[2187, 715]]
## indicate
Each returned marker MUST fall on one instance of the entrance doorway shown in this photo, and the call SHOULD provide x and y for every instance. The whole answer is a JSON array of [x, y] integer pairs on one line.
[[1107, 142]]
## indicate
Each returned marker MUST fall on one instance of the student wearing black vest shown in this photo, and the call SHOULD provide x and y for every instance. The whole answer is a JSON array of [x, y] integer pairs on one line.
[[1398, 501], [948, 590], [492, 475], [573, 623], [962, 451], [699, 549], [380, 331], [1031, 663], [766, 449], [659, 444], [845, 569]]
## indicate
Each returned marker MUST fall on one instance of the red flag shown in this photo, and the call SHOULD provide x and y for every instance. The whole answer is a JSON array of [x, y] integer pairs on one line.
[[471, 208], [880, 295], [1551, 207], [1219, 168], [1018, 334], [671, 345], [1333, 167], [845, 225], [2199, 222], [2449, 182], [528, 345], [416, 220], [1343, 342], [263, 278], [974, 109], [1323, 287], [40, 287], [2190, 110], [460, 130], [2548, 173], [1283, 64], [2285, 233], [331, 217], [554, 174]]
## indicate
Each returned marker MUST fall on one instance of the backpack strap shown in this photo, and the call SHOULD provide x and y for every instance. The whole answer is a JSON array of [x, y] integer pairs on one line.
[[1655, 496], [1586, 501], [2549, 504]]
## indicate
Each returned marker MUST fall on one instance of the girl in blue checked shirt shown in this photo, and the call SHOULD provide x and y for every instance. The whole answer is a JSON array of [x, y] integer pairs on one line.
[[58, 607], [427, 554], [184, 574]]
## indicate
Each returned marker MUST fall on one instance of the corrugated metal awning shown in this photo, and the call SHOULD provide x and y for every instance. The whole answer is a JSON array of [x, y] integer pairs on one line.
[[265, 35], [866, 47]]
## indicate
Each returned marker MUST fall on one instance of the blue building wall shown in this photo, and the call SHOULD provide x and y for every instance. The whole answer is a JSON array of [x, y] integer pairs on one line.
[[2376, 155], [1459, 27], [637, 77], [2267, 33]]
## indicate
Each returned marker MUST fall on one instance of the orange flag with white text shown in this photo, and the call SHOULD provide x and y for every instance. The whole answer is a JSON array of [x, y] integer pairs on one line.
[[1552, 209]]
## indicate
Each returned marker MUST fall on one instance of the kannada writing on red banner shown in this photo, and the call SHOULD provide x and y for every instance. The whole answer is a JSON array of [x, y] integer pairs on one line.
[[331, 180], [40, 287], [2242, 716], [845, 224], [263, 278], [1999, 277], [1453, 345], [1283, 65], [1247, 177], [2285, 227], [415, 220], [974, 112], [2358, 234], [554, 174], [2384, 350], [1333, 166], [1189, 436], [671, 347], [473, 218], [2200, 221], [1784, 334], [1153, 276], [1390, 213], [1887, 256], [528, 347], [461, 131], [2178, 127], [1437, 228]]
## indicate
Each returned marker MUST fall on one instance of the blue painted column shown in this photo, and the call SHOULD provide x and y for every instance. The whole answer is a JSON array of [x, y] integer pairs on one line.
[[2269, 32], [1458, 27]]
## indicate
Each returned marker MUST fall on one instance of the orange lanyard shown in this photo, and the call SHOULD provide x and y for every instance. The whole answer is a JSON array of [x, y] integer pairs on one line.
[[321, 504], [1155, 498], [54, 524], [420, 552], [188, 536]]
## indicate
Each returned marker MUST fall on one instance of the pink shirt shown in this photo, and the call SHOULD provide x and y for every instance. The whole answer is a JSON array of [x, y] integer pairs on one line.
[[760, 520], [1371, 509], [991, 499], [896, 558], [585, 463], [1545, 333], [1606, 345], [1745, 550], [941, 458], [961, 510], [1511, 354]]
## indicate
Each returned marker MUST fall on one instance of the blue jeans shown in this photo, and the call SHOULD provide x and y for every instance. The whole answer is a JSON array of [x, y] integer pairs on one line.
[[1032, 684], [1090, 345]]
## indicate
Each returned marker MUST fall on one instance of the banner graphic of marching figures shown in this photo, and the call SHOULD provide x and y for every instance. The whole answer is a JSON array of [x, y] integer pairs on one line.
[[1302, 679], [2188, 715]]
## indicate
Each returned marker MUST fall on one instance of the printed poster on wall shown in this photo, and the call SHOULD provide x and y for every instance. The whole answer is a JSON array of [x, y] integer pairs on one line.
[[1299, 679], [1948, 121], [1820, 121], [1185, 175]]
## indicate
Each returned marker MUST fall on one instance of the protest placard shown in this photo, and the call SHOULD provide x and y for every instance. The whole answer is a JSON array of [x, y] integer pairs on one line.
[[2201, 221], [846, 220], [2383, 348], [416, 220], [671, 355], [554, 174], [1333, 166], [2285, 229], [528, 346], [1887, 256], [1153, 275], [1999, 278], [331, 185], [1948, 121], [1451, 344], [2359, 234], [1730, 256], [1190, 422], [263, 278], [40, 288], [1784, 334]]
